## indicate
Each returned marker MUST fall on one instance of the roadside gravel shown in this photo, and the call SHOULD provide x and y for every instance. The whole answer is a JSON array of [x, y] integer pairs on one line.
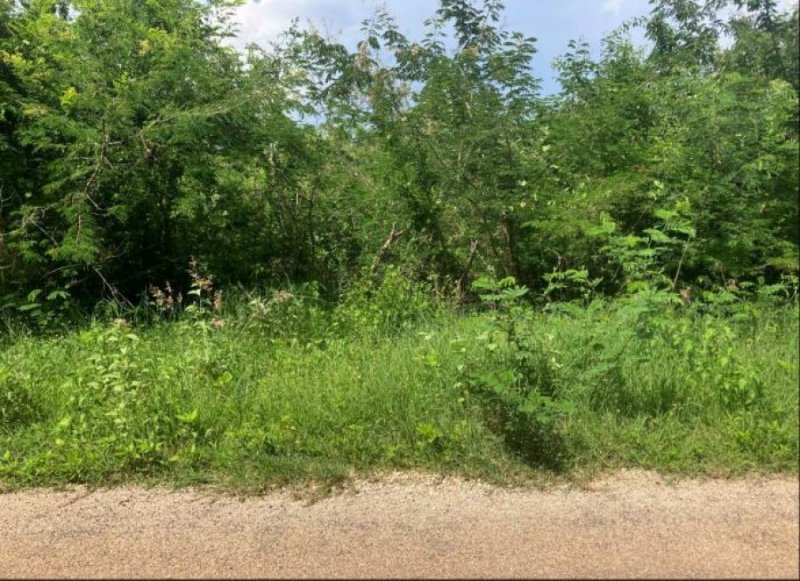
[[634, 524]]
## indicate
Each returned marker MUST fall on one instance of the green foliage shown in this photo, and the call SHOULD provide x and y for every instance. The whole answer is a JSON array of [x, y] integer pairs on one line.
[[518, 388], [570, 284], [148, 169], [132, 139], [395, 304], [20, 404], [630, 131], [513, 391], [38, 310]]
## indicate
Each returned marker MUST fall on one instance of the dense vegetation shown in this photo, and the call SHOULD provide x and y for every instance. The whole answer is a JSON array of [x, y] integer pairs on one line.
[[286, 392], [424, 261]]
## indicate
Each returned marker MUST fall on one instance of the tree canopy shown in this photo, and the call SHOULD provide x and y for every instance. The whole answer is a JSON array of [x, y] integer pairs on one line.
[[133, 139]]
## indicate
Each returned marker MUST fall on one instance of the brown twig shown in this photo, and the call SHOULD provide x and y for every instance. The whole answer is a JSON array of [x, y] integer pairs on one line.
[[462, 281], [680, 264], [383, 252]]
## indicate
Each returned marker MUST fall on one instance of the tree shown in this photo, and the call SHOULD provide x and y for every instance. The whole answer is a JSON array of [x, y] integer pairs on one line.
[[131, 115]]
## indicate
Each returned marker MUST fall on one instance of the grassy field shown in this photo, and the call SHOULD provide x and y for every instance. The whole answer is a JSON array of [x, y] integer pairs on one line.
[[280, 391]]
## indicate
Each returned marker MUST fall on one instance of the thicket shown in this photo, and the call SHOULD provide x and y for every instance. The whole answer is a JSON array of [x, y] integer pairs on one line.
[[134, 141], [264, 392], [306, 259]]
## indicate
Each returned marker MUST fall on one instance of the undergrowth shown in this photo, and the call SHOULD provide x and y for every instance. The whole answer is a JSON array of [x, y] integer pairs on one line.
[[275, 389]]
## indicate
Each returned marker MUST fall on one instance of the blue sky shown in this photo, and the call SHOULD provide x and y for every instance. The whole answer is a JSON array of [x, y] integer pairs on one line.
[[552, 22]]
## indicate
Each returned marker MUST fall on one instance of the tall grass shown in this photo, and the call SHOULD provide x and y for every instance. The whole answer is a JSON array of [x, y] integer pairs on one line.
[[279, 390]]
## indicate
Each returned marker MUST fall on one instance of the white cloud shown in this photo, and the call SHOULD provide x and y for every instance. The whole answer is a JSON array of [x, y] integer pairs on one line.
[[262, 21], [612, 6]]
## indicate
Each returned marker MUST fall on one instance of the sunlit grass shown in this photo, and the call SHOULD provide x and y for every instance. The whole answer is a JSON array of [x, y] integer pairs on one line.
[[249, 405]]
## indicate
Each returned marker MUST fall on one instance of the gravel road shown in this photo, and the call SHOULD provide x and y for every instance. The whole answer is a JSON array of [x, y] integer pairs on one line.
[[631, 525]]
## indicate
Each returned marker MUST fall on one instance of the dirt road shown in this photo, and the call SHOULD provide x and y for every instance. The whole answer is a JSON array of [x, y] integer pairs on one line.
[[631, 525]]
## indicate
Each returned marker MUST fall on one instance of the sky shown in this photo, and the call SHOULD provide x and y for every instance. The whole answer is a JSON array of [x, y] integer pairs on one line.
[[552, 22]]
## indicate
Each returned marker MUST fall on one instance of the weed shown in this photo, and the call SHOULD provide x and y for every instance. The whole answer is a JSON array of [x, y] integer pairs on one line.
[[279, 394]]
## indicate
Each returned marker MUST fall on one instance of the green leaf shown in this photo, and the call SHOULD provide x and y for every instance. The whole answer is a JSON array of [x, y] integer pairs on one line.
[[189, 417], [658, 236]]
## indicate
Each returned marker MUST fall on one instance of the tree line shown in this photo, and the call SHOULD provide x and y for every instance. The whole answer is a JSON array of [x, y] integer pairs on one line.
[[135, 140]]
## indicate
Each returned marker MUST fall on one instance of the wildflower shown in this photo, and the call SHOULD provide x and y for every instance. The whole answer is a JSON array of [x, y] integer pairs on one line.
[[203, 283], [282, 296]]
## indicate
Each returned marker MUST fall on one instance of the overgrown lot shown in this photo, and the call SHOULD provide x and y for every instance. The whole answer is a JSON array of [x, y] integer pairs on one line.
[[429, 260], [279, 390]]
